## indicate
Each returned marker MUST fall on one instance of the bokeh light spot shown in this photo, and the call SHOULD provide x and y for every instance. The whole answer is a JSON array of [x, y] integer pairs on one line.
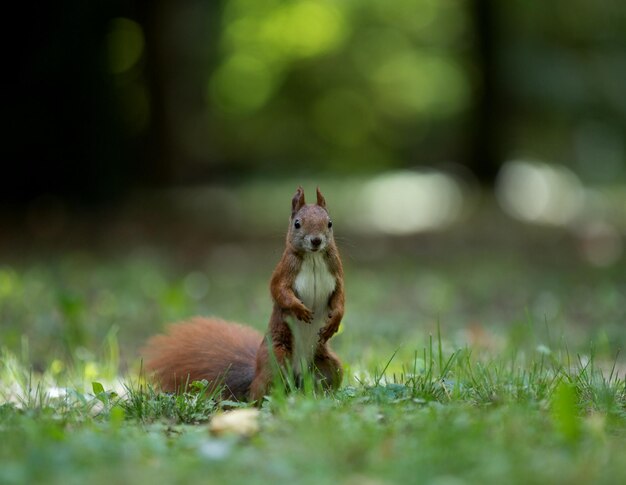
[[125, 44], [537, 192], [242, 85], [410, 202], [305, 28], [410, 82]]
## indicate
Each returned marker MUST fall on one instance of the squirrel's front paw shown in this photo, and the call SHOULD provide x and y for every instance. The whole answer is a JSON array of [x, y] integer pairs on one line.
[[331, 327], [326, 333], [303, 313]]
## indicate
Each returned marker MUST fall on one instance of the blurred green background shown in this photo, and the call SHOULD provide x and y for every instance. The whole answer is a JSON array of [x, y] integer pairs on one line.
[[472, 154], [108, 96]]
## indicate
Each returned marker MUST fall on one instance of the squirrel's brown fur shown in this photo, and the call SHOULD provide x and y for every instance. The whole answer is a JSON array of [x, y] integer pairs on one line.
[[239, 357], [221, 352]]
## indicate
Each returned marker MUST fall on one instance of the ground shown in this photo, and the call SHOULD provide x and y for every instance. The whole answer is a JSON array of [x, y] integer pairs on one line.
[[471, 357]]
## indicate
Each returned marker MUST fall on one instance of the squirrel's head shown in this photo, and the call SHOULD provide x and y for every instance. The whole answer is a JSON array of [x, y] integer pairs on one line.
[[310, 227]]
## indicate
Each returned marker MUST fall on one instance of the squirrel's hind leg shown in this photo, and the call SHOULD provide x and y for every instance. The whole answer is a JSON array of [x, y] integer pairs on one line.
[[328, 369], [267, 366]]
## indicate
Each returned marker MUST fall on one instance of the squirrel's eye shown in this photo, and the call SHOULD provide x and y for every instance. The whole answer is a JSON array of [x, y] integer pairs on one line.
[[330, 224], [297, 224]]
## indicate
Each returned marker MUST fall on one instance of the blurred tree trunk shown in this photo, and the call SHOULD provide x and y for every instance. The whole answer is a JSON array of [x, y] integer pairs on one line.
[[155, 166], [485, 154]]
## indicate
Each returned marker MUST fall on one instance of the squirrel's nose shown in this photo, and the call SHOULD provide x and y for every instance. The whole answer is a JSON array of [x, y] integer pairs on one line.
[[316, 241]]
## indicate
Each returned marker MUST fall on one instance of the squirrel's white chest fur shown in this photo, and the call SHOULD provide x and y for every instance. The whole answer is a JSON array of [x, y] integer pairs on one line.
[[314, 285]]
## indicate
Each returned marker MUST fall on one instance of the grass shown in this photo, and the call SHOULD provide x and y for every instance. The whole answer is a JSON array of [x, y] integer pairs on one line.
[[447, 418], [492, 367]]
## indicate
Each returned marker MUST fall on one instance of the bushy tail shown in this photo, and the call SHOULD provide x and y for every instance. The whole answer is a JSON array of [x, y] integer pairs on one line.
[[223, 353]]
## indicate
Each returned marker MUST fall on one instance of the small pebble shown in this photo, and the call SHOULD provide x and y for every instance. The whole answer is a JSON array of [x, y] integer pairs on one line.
[[241, 422]]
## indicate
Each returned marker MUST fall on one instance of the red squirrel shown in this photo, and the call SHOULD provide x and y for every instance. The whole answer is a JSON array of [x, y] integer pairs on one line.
[[308, 294]]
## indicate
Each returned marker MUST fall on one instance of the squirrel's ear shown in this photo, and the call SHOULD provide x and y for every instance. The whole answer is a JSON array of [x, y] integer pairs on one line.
[[321, 201], [297, 202]]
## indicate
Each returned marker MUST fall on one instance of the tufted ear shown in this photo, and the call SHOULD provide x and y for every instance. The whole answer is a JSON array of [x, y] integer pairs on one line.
[[297, 202], [321, 201]]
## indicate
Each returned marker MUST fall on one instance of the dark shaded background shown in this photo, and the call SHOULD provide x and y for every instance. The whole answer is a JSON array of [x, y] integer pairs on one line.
[[102, 98]]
